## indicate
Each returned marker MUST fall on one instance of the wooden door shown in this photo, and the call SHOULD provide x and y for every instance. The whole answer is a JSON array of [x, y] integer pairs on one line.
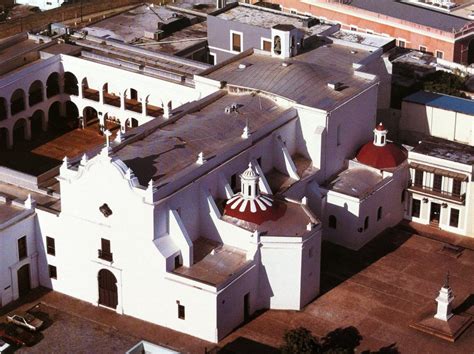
[[435, 213], [108, 295], [23, 275]]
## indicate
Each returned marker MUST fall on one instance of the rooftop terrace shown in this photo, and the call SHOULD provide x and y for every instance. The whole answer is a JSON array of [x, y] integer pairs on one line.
[[446, 150], [266, 18], [214, 263], [356, 182]]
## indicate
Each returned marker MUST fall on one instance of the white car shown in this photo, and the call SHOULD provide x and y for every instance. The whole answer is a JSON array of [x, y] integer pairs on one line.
[[26, 320], [3, 346]]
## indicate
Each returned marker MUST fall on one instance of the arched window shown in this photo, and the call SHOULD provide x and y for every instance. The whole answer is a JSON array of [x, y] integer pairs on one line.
[[332, 222], [366, 223], [379, 213], [277, 45]]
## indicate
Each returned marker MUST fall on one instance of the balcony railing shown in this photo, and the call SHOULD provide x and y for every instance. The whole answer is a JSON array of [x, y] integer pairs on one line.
[[436, 193], [106, 256]]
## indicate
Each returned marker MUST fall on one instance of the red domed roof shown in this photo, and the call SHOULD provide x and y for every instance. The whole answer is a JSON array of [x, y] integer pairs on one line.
[[387, 156], [380, 127], [262, 208]]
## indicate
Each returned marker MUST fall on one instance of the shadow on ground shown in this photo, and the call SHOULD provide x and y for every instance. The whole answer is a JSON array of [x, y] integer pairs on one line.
[[340, 341], [334, 271]]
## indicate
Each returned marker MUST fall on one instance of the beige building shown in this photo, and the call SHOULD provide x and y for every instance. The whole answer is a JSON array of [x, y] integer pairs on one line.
[[432, 114]]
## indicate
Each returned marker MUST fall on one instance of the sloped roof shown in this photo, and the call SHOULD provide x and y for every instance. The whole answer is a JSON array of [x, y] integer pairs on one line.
[[412, 13]]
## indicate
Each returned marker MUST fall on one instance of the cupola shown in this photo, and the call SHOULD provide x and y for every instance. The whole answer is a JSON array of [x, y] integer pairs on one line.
[[380, 135], [250, 205], [379, 153]]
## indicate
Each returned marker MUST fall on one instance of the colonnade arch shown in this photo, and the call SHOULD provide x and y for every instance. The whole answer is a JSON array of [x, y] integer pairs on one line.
[[17, 101], [35, 93]]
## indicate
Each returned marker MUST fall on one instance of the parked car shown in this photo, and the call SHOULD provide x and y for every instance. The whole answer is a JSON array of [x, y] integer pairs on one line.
[[26, 320], [4, 346], [17, 336]]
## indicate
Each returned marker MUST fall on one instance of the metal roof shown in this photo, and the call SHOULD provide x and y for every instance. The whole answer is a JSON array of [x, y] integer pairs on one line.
[[446, 102], [412, 13]]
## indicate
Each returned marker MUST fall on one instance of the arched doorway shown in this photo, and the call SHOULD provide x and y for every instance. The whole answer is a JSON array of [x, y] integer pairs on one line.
[[108, 295], [470, 52], [17, 101], [70, 84], [90, 116], [54, 116], [4, 139], [19, 131], [52, 85], [131, 123], [37, 123], [3, 108], [72, 115], [23, 276], [35, 93]]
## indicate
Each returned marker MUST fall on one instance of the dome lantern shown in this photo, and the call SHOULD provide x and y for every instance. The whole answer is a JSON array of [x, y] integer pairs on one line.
[[380, 135], [249, 183]]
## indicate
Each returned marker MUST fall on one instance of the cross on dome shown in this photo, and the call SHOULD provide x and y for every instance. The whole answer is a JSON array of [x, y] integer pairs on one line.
[[380, 135]]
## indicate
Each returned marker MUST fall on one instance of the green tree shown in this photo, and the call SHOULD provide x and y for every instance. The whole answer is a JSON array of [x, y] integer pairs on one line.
[[300, 340], [444, 82]]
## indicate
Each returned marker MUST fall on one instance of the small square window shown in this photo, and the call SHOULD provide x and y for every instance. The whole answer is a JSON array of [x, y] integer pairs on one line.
[[53, 274], [402, 43], [50, 246], [422, 49], [266, 45], [181, 312], [439, 54], [354, 28]]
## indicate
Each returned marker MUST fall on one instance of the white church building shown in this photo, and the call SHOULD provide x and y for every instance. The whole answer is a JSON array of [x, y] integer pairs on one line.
[[214, 205]]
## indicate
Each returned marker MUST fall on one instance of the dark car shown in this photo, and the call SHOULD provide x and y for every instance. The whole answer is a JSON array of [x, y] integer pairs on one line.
[[16, 335]]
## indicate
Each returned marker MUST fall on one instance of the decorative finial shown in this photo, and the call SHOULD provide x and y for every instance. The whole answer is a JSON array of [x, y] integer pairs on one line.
[[129, 174], [107, 134], [446, 283], [118, 138], [200, 160], [66, 162], [29, 202], [84, 160], [246, 133]]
